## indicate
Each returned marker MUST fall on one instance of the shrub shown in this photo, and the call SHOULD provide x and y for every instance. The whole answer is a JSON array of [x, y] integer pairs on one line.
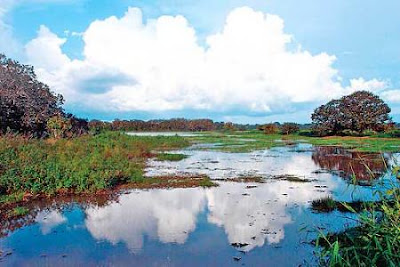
[[289, 128], [270, 128]]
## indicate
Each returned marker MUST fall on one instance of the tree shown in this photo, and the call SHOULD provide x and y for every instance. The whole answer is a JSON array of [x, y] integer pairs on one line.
[[25, 103], [357, 112], [289, 128], [269, 128]]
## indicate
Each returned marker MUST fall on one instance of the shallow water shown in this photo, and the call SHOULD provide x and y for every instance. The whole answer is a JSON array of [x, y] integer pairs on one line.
[[258, 223]]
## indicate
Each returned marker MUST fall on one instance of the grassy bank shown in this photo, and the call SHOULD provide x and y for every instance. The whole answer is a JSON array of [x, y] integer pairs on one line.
[[80, 165]]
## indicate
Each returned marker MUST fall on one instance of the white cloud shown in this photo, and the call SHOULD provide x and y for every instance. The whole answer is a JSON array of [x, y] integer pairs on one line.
[[8, 44], [49, 220], [168, 215], [392, 95], [46, 51], [246, 66], [373, 85]]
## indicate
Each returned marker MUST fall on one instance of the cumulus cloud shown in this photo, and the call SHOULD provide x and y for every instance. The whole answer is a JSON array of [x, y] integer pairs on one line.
[[48, 220], [158, 65], [167, 215], [392, 95], [8, 44], [373, 85]]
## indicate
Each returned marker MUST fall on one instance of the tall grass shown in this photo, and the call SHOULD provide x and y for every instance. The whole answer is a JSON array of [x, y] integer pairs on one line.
[[374, 242], [84, 164]]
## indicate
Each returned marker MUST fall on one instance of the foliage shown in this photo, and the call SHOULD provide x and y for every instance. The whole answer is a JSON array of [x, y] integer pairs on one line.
[[25, 103], [20, 211], [289, 128], [228, 126], [357, 112], [155, 125], [170, 157], [66, 127], [83, 164], [58, 126], [375, 242], [270, 128]]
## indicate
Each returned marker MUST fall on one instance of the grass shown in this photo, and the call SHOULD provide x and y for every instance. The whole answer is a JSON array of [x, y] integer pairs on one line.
[[375, 242], [170, 157], [328, 204], [248, 141], [292, 178], [19, 211], [81, 165]]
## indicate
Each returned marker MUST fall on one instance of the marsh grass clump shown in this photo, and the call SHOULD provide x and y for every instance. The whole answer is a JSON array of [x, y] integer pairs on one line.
[[207, 182], [292, 178], [170, 157], [375, 242], [326, 204], [176, 181]]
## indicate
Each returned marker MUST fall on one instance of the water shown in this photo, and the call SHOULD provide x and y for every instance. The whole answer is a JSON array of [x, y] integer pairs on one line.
[[263, 224]]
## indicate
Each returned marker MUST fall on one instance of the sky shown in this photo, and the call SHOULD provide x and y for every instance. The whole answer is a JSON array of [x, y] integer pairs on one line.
[[246, 61]]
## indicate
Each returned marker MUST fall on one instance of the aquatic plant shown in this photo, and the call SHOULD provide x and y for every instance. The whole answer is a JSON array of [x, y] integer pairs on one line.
[[170, 157], [84, 164], [374, 242]]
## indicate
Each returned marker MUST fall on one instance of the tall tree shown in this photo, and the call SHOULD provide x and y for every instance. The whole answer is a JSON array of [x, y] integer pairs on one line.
[[357, 112], [26, 104]]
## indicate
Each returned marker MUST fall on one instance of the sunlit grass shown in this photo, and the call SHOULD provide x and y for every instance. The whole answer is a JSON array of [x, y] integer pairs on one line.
[[84, 164], [247, 141]]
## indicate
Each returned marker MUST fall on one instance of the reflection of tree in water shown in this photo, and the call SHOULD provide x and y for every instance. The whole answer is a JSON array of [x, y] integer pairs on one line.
[[364, 166]]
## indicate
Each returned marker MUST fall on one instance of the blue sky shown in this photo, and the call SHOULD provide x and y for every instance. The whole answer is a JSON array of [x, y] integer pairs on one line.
[[362, 36]]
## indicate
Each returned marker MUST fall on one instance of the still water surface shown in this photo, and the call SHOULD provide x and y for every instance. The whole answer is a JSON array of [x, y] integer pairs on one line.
[[263, 224]]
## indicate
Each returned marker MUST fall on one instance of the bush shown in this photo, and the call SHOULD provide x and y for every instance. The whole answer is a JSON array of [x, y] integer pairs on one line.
[[289, 128], [307, 132], [369, 133], [270, 128], [394, 133]]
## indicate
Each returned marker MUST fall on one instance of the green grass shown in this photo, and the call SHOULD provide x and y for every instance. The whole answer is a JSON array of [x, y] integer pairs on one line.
[[170, 157], [84, 164], [19, 211], [207, 182], [374, 242], [247, 141]]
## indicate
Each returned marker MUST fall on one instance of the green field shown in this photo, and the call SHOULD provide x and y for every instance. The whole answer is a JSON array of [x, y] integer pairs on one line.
[[253, 140]]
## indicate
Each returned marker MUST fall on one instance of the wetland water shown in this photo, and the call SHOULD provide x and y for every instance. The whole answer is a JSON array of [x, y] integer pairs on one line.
[[236, 223]]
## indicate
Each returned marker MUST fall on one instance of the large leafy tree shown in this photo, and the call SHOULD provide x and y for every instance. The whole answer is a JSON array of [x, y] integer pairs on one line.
[[26, 104], [357, 112]]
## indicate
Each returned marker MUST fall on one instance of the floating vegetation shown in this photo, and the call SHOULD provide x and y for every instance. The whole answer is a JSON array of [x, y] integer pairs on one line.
[[170, 157], [292, 178], [244, 179]]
